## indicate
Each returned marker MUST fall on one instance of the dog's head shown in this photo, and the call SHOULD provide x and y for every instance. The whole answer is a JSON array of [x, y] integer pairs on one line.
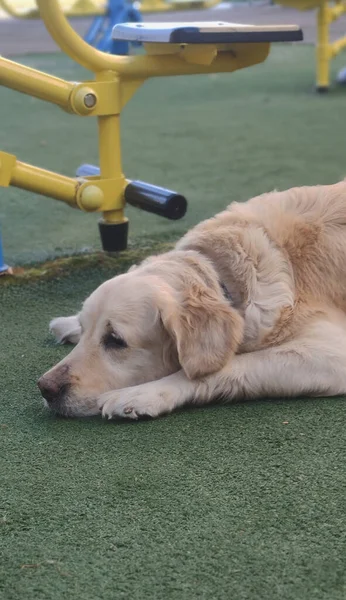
[[140, 327]]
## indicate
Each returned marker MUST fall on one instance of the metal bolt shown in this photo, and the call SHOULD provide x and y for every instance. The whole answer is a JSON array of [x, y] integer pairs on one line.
[[90, 100], [91, 198]]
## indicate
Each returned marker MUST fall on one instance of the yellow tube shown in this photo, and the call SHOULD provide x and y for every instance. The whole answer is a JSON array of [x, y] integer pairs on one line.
[[71, 43], [76, 9], [323, 49], [47, 183], [338, 46], [109, 147], [337, 11], [110, 163], [152, 6], [109, 138], [110, 158], [12, 10], [29, 81]]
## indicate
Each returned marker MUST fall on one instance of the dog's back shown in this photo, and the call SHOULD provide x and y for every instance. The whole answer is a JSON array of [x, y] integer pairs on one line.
[[300, 233], [309, 224]]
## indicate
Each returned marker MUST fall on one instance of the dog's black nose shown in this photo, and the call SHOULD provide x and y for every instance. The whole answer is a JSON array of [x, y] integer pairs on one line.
[[49, 389], [54, 385]]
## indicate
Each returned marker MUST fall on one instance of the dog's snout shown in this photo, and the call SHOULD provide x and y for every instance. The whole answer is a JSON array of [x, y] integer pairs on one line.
[[49, 388], [53, 385]]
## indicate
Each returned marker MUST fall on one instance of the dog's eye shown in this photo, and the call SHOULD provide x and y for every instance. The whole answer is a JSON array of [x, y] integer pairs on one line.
[[113, 340]]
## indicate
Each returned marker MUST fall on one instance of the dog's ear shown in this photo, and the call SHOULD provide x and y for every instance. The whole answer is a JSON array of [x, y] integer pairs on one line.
[[206, 329]]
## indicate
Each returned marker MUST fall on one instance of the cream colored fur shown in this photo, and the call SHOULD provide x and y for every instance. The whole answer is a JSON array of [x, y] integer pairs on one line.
[[282, 256]]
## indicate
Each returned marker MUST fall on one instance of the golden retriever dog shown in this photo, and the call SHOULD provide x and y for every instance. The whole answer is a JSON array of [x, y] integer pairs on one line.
[[249, 304]]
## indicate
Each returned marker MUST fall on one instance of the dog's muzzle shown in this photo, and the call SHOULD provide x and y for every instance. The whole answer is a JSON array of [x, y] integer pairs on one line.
[[54, 387]]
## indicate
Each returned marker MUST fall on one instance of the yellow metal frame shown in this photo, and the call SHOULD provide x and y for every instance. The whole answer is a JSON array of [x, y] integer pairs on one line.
[[74, 8], [327, 12], [150, 6], [116, 80]]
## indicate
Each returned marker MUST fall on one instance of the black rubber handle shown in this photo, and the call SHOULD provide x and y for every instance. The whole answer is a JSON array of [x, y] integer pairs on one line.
[[154, 199]]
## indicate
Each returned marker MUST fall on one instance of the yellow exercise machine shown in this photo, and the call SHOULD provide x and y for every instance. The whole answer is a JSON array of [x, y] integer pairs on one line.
[[27, 9], [106, 14], [152, 6], [171, 49], [327, 12]]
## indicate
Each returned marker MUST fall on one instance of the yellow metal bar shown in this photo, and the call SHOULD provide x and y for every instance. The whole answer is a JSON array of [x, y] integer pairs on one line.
[[10, 9], [337, 11], [151, 6], [327, 12], [28, 10], [71, 43], [109, 135], [109, 146], [110, 164], [35, 83], [337, 46], [323, 49], [47, 183], [110, 157]]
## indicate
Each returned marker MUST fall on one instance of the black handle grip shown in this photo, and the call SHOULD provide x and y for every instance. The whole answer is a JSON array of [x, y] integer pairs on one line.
[[154, 199]]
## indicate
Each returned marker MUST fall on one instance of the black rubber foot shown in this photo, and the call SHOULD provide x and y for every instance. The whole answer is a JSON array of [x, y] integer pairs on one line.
[[113, 236], [322, 89]]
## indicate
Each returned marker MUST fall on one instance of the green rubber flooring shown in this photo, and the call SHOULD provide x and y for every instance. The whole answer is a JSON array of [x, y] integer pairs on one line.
[[241, 501]]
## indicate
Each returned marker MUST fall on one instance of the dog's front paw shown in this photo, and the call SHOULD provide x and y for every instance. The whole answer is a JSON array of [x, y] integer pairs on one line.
[[66, 329], [148, 400]]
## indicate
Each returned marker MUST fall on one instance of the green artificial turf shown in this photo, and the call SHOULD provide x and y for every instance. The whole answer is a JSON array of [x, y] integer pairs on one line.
[[224, 502], [214, 138]]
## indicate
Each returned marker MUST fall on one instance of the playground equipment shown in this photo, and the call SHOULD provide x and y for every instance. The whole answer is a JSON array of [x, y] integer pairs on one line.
[[106, 13], [181, 49], [327, 12], [27, 9], [151, 6], [127, 11]]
